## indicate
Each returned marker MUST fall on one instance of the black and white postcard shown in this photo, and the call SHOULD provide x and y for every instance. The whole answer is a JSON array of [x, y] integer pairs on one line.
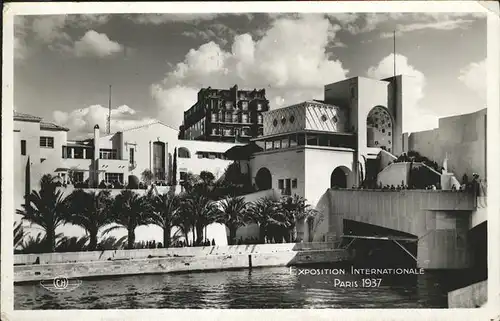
[[248, 160]]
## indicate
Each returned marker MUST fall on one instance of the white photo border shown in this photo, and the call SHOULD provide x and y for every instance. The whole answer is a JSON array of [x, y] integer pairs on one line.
[[490, 311]]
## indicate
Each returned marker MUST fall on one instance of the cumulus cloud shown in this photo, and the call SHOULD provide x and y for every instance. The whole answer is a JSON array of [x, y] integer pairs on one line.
[[290, 61], [474, 77], [94, 44], [415, 118], [50, 28], [82, 121]]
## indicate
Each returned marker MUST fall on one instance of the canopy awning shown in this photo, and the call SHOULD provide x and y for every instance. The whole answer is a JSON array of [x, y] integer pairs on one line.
[[243, 152]]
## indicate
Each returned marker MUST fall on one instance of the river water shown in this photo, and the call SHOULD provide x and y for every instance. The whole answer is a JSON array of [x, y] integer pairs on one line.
[[277, 287]]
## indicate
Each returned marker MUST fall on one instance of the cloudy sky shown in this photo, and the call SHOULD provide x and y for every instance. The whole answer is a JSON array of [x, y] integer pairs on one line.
[[156, 64]]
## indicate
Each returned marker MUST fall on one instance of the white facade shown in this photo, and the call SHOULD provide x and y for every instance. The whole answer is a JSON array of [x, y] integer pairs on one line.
[[322, 144], [119, 155]]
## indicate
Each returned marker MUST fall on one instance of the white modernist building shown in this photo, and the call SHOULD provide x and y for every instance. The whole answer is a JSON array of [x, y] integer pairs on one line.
[[42, 148], [346, 139]]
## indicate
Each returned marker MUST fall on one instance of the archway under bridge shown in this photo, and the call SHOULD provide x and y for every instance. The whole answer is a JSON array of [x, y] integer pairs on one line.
[[377, 246]]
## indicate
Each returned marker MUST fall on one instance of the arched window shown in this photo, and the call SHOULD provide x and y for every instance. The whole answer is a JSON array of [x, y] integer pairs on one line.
[[338, 178], [183, 152], [379, 128], [263, 179]]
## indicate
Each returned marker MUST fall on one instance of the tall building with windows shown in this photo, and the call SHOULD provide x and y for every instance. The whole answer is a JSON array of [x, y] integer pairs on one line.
[[225, 115]]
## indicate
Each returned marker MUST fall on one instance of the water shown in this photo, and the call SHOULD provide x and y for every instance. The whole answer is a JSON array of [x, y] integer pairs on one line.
[[259, 288]]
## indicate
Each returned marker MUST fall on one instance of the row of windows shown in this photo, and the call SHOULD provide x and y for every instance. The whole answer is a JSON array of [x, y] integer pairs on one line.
[[230, 131], [113, 177], [293, 140], [225, 104], [234, 118], [88, 153], [211, 155], [105, 153]]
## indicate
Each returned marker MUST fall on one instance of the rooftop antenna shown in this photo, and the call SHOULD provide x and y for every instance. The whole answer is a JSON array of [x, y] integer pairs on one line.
[[109, 112]]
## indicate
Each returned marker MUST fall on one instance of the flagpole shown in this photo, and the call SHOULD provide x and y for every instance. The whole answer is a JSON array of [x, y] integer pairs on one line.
[[394, 52]]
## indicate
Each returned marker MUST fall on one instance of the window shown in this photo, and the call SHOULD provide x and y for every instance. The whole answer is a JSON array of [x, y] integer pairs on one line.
[[277, 144], [104, 153], [183, 152], [269, 145], [23, 147], [293, 140], [47, 142], [182, 176], [294, 183], [284, 143], [281, 184], [312, 140], [323, 140], [113, 177], [131, 157], [78, 152], [301, 139]]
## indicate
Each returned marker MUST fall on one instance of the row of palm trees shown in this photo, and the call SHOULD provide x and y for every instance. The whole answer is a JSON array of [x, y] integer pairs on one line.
[[202, 203]]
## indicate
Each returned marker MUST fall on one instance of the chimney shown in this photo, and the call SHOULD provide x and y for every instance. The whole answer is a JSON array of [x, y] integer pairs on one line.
[[96, 156]]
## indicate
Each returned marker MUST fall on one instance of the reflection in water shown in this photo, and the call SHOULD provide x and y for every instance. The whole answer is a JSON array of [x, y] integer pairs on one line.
[[259, 288]]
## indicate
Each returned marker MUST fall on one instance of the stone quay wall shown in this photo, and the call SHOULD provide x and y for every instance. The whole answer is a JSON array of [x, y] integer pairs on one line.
[[148, 261]]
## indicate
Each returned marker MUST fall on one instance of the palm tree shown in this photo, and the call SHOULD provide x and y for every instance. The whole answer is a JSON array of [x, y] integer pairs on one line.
[[19, 234], [111, 243], [164, 210], [46, 208], [260, 212], [233, 214], [296, 209], [129, 210], [72, 244], [91, 211], [36, 244], [201, 211]]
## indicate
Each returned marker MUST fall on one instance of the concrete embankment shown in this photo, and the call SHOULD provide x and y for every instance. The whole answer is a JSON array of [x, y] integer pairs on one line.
[[472, 296], [151, 261]]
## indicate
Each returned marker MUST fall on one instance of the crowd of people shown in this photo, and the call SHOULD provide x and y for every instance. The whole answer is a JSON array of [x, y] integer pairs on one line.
[[415, 157]]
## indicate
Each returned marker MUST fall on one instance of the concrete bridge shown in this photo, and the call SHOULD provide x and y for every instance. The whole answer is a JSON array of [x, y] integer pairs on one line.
[[438, 220]]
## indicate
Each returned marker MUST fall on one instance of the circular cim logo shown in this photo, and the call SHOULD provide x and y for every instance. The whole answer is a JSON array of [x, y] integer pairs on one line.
[[61, 284]]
